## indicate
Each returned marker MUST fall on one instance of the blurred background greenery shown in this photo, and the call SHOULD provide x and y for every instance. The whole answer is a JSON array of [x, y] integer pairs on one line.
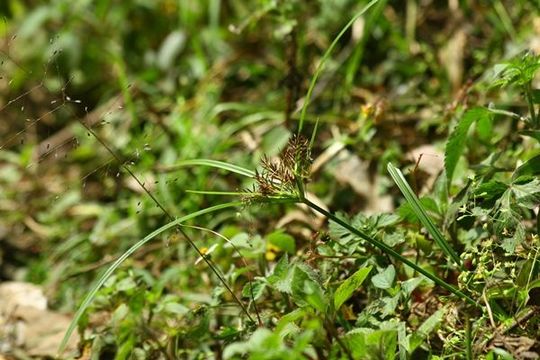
[[164, 81]]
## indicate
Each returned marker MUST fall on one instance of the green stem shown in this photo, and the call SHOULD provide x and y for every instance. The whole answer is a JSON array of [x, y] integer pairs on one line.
[[535, 120], [388, 250], [468, 338], [325, 57]]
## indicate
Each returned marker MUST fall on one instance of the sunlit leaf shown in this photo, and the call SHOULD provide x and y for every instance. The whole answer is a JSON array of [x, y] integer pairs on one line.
[[384, 279], [349, 286]]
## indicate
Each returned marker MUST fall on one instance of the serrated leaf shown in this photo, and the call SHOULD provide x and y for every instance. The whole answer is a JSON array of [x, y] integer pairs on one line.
[[384, 279], [349, 286], [338, 232], [509, 244], [457, 140], [365, 343], [385, 220], [394, 238], [253, 290], [306, 289], [282, 277], [407, 213]]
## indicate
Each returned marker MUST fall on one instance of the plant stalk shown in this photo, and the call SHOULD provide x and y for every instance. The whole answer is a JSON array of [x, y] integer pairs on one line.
[[534, 118]]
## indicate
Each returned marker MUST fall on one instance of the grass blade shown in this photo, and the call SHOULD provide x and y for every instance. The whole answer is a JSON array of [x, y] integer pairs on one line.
[[421, 213], [92, 294], [224, 193], [325, 58], [211, 163]]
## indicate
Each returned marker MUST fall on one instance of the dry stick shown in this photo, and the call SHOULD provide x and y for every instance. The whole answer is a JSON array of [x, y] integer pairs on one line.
[[169, 215]]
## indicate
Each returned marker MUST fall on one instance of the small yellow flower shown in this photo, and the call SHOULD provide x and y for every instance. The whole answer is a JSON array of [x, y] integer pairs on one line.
[[270, 255], [271, 251]]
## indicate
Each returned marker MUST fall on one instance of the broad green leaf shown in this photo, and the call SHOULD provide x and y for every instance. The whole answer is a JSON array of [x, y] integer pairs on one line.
[[126, 284], [530, 168], [458, 138], [389, 305], [349, 286], [384, 279], [484, 128], [282, 277], [176, 308], [283, 241], [289, 318], [409, 285], [509, 244], [406, 210], [394, 238], [527, 194], [306, 288], [491, 190], [425, 329]]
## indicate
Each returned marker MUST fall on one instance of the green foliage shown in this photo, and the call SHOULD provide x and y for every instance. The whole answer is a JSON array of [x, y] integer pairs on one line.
[[458, 139], [349, 286], [519, 71], [126, 120]]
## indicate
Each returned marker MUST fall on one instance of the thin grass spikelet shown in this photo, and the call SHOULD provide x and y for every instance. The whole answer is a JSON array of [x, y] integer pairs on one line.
[[284, 177]]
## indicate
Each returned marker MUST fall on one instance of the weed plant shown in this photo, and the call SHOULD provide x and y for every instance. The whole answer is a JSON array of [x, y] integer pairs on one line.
[[452, 272]]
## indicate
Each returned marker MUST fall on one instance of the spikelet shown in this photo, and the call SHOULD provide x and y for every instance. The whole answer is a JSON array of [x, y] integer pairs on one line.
[[279, 178]]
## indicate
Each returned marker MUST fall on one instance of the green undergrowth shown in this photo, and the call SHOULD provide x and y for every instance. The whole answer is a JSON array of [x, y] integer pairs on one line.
[[276, 179]]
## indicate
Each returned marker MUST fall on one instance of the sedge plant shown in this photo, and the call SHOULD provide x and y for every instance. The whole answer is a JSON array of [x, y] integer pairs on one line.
[[279, 181]]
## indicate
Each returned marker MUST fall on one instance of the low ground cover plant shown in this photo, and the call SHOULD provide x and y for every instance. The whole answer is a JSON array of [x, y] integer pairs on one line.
[[269, 211]]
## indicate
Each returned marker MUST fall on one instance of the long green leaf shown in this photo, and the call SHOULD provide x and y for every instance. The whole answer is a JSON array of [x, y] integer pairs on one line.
[[224, 193], [212, 163], [325, 58], [349, 286], [421, 213], [456, 141], [92, 294]]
